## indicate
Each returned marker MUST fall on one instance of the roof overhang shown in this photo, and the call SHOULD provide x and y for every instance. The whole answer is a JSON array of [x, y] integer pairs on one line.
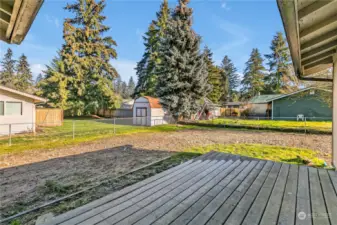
[[311, 30], [35, 98], [16, 17]]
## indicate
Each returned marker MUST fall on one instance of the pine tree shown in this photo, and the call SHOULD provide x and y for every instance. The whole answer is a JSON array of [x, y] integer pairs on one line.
[[38, 79], [279, 63], [54, 84], [86, 55], [118, 85], [182, 81], [124, 90], [7, 74], [24, 77], [252, 83], [214, 77], [230, 78], [131, 87], [148, 65]]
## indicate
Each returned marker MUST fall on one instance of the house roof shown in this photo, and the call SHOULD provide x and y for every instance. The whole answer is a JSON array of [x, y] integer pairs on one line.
[[268, 98], [233, 103], [154, 102], [35, 98], [16, 17], [259, 99], [311, 30]]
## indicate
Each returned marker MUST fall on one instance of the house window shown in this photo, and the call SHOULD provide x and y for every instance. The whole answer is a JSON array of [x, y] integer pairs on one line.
[[141, 112], [13, 108], [2, 108]]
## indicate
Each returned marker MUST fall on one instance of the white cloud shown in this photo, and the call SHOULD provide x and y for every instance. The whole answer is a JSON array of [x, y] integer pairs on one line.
[[224, 5], [53, 20], [37, 68], [125, 68]]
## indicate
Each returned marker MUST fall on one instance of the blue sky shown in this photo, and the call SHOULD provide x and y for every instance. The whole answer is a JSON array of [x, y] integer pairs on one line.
[[230, 28]]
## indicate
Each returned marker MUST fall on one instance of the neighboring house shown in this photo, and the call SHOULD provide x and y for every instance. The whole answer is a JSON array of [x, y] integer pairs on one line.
[[309, 102], [147, 111], [234, 105], [127, 104], [18, 109]]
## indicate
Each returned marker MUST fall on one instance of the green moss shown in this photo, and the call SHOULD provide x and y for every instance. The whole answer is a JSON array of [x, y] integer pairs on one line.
[[298, 156]]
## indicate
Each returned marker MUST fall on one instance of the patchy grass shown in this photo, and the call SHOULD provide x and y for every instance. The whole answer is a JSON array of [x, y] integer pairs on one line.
[[278, 124], [85, 131], [104, 188], [298, 156]]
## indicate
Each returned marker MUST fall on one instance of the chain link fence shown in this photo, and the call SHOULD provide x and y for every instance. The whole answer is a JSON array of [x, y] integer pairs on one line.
[[84, 129], [297, 124]]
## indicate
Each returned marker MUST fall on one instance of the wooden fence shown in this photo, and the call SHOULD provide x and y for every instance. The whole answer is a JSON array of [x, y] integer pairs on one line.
[[122, 113], [49, 117]]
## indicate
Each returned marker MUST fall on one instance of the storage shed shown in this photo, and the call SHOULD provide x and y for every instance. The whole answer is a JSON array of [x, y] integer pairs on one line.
[[147, 111]]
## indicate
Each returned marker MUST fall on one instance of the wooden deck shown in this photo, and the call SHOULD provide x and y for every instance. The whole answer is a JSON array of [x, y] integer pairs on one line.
[[217, 188]]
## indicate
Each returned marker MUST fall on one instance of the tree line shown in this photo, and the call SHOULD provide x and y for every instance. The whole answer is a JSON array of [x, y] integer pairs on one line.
[[173, 67], [16, 73]]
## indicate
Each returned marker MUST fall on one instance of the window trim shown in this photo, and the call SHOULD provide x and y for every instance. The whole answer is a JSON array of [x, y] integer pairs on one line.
[[141, 109], [21, 112], [3, 108]]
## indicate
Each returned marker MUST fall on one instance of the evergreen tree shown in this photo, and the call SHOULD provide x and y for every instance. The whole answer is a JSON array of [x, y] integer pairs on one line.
[[7, 74], [24, 77], [131, 87], [118, 85], [279, 63], [252, 83], [148, 65], [182, 81], [86, 54], [214, 77], [38, 79], [124, 90], [54, 84], [230, 78]]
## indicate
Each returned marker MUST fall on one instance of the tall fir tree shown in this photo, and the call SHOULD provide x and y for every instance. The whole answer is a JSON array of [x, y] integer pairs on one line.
[[86, 54], [53, 85], [148, 65], [279, 76], [230, 78], [24, 77], [131, 87], [38, 79], [182, 81], [124, 90], [214, 77], [7, 73], [252, 83]]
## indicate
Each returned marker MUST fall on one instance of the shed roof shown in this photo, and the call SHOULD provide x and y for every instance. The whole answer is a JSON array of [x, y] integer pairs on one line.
[[35, 98], [154, 102], [311, 30]]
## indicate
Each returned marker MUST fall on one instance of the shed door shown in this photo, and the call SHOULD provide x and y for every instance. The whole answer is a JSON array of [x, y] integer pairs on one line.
[[141, 114]]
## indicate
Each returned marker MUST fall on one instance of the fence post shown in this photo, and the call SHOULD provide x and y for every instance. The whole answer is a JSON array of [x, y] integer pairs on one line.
[[114, 125], [10, 134], [305, 125], [258, 123], [73, 129]]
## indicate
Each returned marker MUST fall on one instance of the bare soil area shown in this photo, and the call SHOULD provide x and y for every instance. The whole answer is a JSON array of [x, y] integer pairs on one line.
[[26, 175]]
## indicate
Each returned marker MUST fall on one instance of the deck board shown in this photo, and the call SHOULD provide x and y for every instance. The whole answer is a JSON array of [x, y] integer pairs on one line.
[[215, 189]]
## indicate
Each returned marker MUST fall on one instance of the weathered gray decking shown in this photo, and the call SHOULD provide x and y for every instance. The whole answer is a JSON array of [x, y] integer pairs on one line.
[[219, 189]]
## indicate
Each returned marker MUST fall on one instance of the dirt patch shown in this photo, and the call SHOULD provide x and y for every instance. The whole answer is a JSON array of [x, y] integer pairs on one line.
[[177, 141], [56, 172]]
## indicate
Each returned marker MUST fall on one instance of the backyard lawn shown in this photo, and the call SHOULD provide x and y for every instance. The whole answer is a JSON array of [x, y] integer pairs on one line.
[[325, 126], [291, 155], [84, 130]]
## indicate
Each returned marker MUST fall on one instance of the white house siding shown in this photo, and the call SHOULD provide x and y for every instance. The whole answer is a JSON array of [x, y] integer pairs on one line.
[[20, 123], [159, 116]]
